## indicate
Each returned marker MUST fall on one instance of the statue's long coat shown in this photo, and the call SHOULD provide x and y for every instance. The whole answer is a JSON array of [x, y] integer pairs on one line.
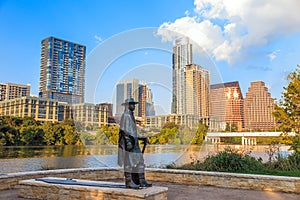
[[128, 128]]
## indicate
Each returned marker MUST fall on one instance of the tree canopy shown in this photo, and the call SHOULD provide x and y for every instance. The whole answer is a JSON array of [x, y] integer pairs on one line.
[[28, 131], [287, 110]]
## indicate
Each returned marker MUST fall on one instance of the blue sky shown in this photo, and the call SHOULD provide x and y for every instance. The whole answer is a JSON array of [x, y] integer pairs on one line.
[[244, 40]]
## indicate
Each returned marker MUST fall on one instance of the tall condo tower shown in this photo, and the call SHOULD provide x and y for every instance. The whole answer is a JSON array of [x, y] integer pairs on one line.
[[196, 91], [62, 71], [182, 56]]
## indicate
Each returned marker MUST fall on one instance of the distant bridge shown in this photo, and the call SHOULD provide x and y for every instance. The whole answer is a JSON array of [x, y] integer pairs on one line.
[[248, 138]]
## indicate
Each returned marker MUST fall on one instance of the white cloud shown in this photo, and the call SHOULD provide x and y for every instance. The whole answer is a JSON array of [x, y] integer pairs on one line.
[[226, 29], [98, 39], [273, 54], [187, 13]]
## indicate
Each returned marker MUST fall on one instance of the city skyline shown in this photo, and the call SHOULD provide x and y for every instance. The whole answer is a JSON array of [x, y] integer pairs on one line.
[[261, 47]]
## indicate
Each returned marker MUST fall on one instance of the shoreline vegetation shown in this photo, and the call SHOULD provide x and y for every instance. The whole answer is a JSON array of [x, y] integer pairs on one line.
[[234, 161], [17, 131]]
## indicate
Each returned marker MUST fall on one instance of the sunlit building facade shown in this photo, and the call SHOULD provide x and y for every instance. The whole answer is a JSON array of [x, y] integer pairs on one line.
[[90, 114], [258, 108], [38, 108], [146, 105], [42, 109], [62, 70], [181, 120], [109, 108], [12, 90], [196, 90], [227, 104]]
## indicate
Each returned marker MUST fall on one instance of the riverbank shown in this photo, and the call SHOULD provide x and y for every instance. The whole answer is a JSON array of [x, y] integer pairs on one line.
[[30, 158]]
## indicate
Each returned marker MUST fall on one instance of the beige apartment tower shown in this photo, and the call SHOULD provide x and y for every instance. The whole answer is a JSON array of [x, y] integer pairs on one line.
[[258, 108], [196, 91], [12, 90]]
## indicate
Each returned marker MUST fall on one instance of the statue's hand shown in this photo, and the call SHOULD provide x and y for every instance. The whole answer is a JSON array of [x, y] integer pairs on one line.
[[128, 143]]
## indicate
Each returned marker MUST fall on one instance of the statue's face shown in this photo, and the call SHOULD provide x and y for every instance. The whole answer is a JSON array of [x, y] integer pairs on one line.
[[131, 106]]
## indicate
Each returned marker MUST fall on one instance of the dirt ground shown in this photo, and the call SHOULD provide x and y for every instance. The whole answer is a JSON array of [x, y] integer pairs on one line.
[[184, 192]]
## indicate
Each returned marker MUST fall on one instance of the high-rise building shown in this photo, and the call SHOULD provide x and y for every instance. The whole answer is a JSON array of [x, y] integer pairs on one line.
[[12, 90], [126, 89], [258, 108], [196, 91], [140, 92], [227, 103], [62, 70], [182, 56], [146, 105]]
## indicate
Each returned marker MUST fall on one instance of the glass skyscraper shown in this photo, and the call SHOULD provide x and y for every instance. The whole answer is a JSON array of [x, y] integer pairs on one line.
[[133, 88], [182, 56], [62, 70]]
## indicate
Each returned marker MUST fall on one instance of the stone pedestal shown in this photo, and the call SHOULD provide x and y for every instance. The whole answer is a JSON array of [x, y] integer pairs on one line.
[[41, 190]]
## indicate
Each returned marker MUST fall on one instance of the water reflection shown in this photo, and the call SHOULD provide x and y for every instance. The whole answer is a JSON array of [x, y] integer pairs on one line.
[[17, 159]]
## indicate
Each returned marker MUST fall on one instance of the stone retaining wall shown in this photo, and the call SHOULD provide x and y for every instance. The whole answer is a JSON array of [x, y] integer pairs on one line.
[[219, 179], [227, 180]]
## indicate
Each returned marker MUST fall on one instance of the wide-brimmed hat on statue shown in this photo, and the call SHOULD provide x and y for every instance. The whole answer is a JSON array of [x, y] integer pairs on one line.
[[128, 101]]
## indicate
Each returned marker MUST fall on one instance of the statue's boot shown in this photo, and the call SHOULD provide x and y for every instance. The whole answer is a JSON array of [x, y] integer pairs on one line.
[[129, 182], [143, 182]]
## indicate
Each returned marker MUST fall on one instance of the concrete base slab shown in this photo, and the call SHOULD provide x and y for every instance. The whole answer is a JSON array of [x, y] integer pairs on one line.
[[41, 190]]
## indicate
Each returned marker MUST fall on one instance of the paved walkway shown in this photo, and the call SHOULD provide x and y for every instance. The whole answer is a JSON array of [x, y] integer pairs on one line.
[[186, 192]]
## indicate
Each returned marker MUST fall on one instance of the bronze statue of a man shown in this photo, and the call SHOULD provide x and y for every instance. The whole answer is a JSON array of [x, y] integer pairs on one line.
[[129, 153]]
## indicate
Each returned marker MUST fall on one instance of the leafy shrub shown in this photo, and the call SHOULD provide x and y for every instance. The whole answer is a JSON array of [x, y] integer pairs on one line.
[[230, 160], [291, 163]]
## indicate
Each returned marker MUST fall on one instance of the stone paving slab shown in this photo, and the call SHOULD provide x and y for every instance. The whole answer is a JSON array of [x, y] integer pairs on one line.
[[36, 189], [186, 192]]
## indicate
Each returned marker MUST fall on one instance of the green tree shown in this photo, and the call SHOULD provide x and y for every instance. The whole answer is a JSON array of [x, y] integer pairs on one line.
[[186, 134], [231, 127], [10, 134], [49, 134], [32, 135], [70, 135], [170, 125], [287, 111], [27, 121], [59, 135], [101, 138], [200, 134]]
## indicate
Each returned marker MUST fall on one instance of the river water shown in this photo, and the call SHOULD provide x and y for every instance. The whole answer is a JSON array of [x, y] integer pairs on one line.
[[21, 159]]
